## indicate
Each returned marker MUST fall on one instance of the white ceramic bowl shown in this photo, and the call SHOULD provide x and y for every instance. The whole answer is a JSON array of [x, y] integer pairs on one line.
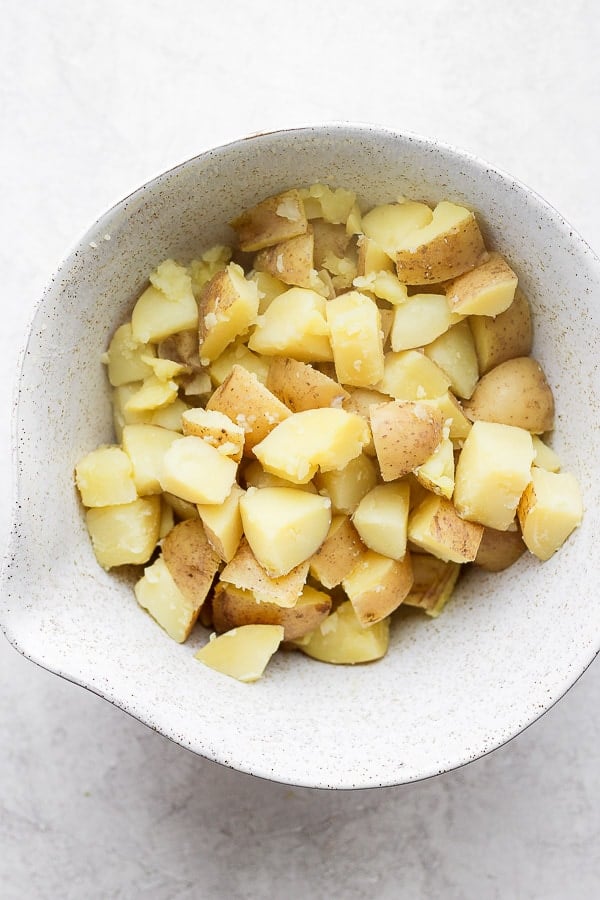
[[450, 690]]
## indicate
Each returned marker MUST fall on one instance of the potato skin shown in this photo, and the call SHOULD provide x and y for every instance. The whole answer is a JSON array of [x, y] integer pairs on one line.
[[514, 393], [448, 255], [507, 336], [191, 560], [405, 434], [232, 607], [261, 226], [299, 386], [291, 261], [499, 549]]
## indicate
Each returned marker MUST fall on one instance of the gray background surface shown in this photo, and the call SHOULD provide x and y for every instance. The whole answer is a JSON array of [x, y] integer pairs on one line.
[[97, 97]]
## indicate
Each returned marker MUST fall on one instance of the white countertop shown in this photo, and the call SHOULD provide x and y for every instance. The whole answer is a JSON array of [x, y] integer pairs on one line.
[[98, 97]]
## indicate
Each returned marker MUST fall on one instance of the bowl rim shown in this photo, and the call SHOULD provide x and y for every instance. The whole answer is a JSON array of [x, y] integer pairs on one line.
[[10, 556]]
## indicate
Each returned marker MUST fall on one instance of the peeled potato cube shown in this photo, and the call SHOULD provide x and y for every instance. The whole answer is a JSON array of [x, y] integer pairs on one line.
[[228, 306], [447, 247], [389, 224], [192, 562], [323, 439], [487, 290], [126, 533], [146, 446], [377, 586], [436, 527], [454, 353], [294, 325], [405, 434], [154, 393], [549, 510], [499, 549], [216, 429], [452, 415], [360, 402], [284, 526], [242, 653], [545, 457], [157, 593], [255, 476], [233, 607], [409, 375], [302, 387], [506, 336], [492, 472], [333, 205], [434, 582], [420, 320], [170, 417], [381, 519], [372, 259], [341, 639], [182, 510], [125, 357], [248, 403], [237, 354], [346, 487], [167, 520], [166, 307], [197, 472], [356, 340], [514, 393], [273, 220], [223, 524], [165, 369], [245, 572], [384, 285], [268, 286], [338, 554], [437, 472], [121, 415], [105, 478]]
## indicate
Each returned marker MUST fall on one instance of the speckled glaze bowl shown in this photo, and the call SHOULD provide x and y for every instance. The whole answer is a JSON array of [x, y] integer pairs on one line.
[[450, 690]]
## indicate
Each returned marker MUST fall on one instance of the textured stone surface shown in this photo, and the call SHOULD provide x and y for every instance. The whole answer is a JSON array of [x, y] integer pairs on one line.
[[99, 98]]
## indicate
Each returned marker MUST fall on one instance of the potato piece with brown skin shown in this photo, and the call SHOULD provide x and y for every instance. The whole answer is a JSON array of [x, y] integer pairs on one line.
[[499, 549], [341, 639], [436, 527], [244, 571], [514, 393], [191, 561], [487, 290], [216, 429], [248, 403], [233, 607], [291, 261], [507, 336], [182, 348], [549, 510], [227, 307], [302, 387], [434, 582], [275, 219], [328, 239], [372, 258], [405, 434], [377, 586], [450, 245], [360, 402], [338, 554]]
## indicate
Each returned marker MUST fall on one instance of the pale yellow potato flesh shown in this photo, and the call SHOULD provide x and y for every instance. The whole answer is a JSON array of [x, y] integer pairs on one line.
[[202, 270], [335, 206], [437, 472], [237, 354], [105, 478], [228, 306], [504, 337], [157, 593], [377, 585], [126, 533], [454, 353], [146, 446], [232, 607], [419, 321], [197, 472], [549, 510], [242, 653], [384, 285], [253, 475], [295, 325], [453, 416], [341, 639], [360, 402], [273, 220], [245, 572], [389, 224], [436, 527], [434, 582], [223, 524], [268, 286], [356, 339], [161, 312], [410, 375], [372, 258], [346, 487], [381, 519], [487, 290], [124, 357], [154, 393], [545, 457], [216, 429], [338, 554], [169, 417]]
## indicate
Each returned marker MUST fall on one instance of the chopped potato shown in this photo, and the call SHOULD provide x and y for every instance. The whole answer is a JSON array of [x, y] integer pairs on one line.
[[216, 429], [389, 224], [294, 325], [329, 240], [105, 478], [545, 457], [146, 446], [126, 533], [333, 206], [182, 348], [157, 593], [292, 262], [514, 393], [169, 417], [125, 357], [268, 286], [237, 354], [203, 269], [437, 472], [549, 510], [273, 220], [228, 306], [499, 549], [245, 572], [197, 472], [255, 476], [302, 387], [405, 434], [191, 561], [419, 321], [233, 607], [154, 393], [434, 582], [452, 415], [372, 259], [341, 639], [454, 353], [436, 527], [346, 487], [165, 310], [410, 375], [381, 519], [360, 402], [223, 524], [242, 653], [487, 290], [504, 337], [384, 285], [377, 586], [338, 554], [356, 339]]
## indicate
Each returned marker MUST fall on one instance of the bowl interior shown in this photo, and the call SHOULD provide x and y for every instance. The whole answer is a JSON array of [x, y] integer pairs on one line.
[[449, 690]]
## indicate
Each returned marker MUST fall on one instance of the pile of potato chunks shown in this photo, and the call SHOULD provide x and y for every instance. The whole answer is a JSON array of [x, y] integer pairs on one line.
[[321, 425]]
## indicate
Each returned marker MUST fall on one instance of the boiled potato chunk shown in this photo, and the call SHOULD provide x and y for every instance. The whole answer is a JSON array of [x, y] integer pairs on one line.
[[335, 206], [499, 549], [372, 259], [338, 554], [233, 607], [384, 285], [284, 526], [545, 457], [452, 415], [346, 487], [487, 290], [292, 261], [329, 240], [166, 307], [549, 510], [146, 446], [223, 524], [377, 586], [165, 369], [182, 510], [126, 533], [294, 325], [454, 353], [197, 472], [167, 520], [121, 415], [420, 320], [202, 270], [448, 246], [323, 439], [514, 393], [248, 403], [182, 348], [405, 434], [216, 429], [437, 473], [154, 393], [191, 561], [381, 519], [410, 375], [492, 472], [245, 572], [434, 582], [505, 337], [157, 593], [360, 402], [242, 653], [228, 306], [436, 527], [273, 220], [356, 339], [268, 286], [169, 417], [237, 354], [105, 478], [124, 357], [342, 640], [389, 224], [302, 387], [255, 476]]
